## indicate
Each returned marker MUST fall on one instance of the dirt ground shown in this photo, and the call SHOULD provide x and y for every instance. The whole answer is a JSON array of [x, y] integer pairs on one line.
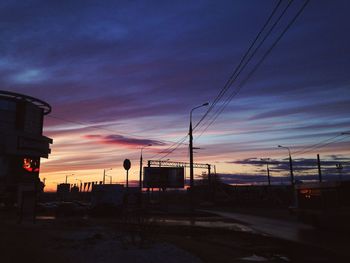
[[226, 246], [114, 240]]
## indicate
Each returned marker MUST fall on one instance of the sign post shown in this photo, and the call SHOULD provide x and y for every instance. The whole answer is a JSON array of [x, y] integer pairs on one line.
[[127, 165]]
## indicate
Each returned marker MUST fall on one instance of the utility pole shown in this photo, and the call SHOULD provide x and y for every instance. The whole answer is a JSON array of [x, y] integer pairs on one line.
[[104, 175], [191, 153], [290, 164], [67, 177], [209, 174], [319, 168], [141, 160], [267, 169], [190, 133], [291, 170]]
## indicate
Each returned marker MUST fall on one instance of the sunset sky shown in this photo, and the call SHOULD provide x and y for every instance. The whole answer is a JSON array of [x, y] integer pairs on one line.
[[123, 74]]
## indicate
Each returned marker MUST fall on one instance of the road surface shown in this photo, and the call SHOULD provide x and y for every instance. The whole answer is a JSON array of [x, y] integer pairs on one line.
[[336, 242]]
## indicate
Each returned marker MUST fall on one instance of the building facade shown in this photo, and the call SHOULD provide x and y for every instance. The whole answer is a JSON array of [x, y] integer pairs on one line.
[[22, 142]]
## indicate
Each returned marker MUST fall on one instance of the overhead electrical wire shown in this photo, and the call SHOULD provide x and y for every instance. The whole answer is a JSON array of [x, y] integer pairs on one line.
[[176, 147], [232, 77], [242, 64], [319, 146], [235, 92], [227, 84], [88, 126], [170, 149], [306, 148]]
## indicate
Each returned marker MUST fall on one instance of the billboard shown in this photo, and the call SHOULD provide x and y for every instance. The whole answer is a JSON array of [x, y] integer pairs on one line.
[[163, 177]]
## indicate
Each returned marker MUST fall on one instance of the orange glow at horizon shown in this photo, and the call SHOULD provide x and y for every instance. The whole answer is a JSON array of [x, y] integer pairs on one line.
[[75, 151]]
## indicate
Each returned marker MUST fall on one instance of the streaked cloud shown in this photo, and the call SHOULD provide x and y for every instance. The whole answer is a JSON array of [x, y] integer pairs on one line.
[[122, 140], [124, 74]]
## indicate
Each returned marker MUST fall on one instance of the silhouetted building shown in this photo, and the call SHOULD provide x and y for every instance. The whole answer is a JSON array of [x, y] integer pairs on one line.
[[22, 143], [63, 192], [107, 194]]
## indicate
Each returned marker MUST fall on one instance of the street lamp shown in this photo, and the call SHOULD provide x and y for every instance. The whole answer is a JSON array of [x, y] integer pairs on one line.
[[290, 164], [67, 177], [140, 179], [191, 142], [267, 169], [104, 174]]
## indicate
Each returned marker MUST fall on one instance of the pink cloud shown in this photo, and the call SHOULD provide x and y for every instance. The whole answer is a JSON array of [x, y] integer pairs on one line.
[[122, 140]]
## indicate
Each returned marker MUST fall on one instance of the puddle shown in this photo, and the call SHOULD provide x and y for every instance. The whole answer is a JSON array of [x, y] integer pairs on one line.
[[208, 224], [185, 222]]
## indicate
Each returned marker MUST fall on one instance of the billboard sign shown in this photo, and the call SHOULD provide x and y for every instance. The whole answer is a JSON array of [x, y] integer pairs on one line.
[[163, 177]]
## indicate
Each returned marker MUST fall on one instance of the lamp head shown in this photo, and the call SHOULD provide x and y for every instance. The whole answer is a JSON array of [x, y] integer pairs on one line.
[[205, 104]]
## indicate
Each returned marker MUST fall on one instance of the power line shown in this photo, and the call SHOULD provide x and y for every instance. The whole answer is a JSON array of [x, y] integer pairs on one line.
[[306, 148], [232, 80], [88, 126], [169, 150], [235, 92], [232, 77], [178, 145], [322, 145], [242, 64]]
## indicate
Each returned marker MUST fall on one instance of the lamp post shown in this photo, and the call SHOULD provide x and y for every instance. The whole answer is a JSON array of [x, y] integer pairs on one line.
[[191, 142], [140, 179], [267, 169], [67, 177], [290, 164], [104, 174]]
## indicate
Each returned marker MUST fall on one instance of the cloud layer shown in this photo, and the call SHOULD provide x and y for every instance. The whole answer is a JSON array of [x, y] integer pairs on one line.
[[122, 74]]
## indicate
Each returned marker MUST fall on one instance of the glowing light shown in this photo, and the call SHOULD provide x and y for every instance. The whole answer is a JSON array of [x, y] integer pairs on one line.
[[31, 165]]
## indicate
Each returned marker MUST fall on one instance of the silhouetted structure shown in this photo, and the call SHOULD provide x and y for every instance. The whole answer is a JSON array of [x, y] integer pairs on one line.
[[22, 144], [323, 203], [63, 191], [107, 194]]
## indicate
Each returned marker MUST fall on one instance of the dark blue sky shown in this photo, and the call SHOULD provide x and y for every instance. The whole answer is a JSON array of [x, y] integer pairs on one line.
[[138, 67]]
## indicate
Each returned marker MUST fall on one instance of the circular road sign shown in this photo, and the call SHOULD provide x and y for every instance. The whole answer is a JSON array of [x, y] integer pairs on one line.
[[127, 164]]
